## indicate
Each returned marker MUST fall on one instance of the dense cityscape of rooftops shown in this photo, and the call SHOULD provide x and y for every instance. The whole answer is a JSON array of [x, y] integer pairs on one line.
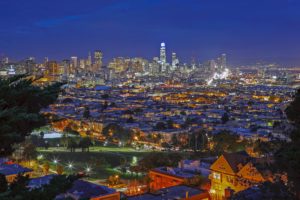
[[158, 106], [103, 127]]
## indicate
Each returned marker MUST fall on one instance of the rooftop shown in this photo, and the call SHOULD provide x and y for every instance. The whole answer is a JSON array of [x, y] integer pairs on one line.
[[85, 190], [175, 192], [12, 169], [178, 172]]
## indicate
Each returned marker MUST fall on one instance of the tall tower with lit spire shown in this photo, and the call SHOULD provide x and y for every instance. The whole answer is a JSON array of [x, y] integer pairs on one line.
[[163, 57]]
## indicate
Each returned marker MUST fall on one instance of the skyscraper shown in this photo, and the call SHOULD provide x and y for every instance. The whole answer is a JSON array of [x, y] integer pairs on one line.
[[52, 68], [82, 64], [74, 63], [163, 57], [175, 61], [98, 55], [66, 67], [30, 64], [223, 60], [89, 60]]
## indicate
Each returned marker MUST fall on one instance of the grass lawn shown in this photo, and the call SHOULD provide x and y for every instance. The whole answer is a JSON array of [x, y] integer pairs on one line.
[[101, 160]]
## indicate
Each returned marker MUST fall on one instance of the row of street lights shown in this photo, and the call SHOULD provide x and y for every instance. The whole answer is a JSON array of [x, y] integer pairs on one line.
[[70, 165]]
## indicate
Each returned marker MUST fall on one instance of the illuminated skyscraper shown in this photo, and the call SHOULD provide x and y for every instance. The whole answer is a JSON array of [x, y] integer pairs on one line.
[[89, 60], [223, 60], [30, 64], [82, 64], [52, 68], [74, 64], [163, 57], [175, 61], [98, 55], [66, 67]]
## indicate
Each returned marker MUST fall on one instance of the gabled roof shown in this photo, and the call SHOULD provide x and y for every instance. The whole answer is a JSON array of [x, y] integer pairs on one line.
[[250, 172], [228, 162], [234, 159]]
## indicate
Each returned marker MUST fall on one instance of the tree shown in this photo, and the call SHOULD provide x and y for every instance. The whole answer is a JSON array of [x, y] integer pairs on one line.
[[104, 106], [156, 159], [30, 152], [114, 130], [174, 140], [225, 118], [85, 143], [46, 167], [128, 112], [42, 134], [264, 148], [130, 120], [160, 126], [86, 112], [226, 141], [288, 157], [3, 183], [113, 104], [64, 140], [170, 124], [267, 190], [20, 105], [293, 110], [105, 96], [72, 144], [35, 139], [19, 185], [59, 169], [198, 140]]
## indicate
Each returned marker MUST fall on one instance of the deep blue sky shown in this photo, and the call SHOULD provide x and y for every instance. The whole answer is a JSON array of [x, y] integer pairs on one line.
[[247, 30]]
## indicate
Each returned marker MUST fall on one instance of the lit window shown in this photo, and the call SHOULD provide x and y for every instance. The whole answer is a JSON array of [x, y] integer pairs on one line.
[[216, 176]]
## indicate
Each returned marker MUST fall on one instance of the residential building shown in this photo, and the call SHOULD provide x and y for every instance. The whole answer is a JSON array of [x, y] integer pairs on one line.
[[237, 172]]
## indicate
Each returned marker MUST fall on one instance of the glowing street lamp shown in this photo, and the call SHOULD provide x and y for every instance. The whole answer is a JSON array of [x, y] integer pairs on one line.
[[88, 169], [70, 165], [55, 161], [40, 157]]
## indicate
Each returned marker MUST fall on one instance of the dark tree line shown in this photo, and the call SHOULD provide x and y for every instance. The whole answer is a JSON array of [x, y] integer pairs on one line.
[[20, 105], [288, 157], [84, 143]]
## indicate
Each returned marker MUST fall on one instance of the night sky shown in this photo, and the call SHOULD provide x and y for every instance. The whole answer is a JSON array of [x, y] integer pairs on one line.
[[247, 30]]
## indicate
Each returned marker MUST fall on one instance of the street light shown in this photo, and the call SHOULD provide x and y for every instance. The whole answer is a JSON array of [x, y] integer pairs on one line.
[[40, 157], [55, 160], [88, 169], [70, 165]]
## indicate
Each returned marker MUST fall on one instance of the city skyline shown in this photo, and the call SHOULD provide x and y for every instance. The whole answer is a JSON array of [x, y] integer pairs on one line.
[[247, 32], [149, 99]]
